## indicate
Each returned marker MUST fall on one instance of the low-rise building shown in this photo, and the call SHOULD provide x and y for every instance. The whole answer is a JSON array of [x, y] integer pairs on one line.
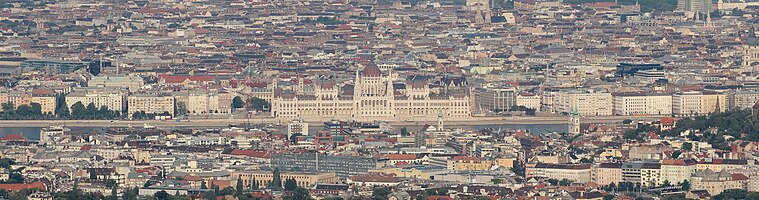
[[578, 173], [716, 182]]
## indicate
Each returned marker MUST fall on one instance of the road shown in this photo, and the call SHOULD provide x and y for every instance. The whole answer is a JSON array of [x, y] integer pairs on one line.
[[226, 122]]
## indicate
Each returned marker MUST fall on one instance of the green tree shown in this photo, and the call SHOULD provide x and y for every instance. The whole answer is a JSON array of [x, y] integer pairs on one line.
[[78, 111], [518, 169], [93, 174], [676, 154], [687, 146], [181, 108], [63, 110], [91, 111], [8, 108], [565, 182], [627, 121], [685, 185], [258, 104], [609, 197], [239, 186], [237, 102], [290, 184], [553, 181], [203, 185], [300, 193], [380, 193], [162, 195], [276, 180], [404, 131]]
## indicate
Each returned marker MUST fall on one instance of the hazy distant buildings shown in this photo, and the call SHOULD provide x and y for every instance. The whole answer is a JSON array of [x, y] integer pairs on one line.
[[700, 6], [495, 99], [344, 166]]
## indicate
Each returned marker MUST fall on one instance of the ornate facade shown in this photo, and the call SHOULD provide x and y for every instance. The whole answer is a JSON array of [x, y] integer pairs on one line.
[[373, 96]]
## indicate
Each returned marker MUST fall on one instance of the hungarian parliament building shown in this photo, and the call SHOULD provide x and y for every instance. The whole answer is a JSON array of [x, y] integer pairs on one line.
[[374, 96]]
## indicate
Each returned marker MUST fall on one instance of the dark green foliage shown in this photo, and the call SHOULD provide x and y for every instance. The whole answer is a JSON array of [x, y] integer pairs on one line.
[[736, 194], [527, 111], [299, 193], [740, 124], [290, 184], [258, 104], [276, 181], [324, 20], [239, 187], [237, 102], [380, 193]]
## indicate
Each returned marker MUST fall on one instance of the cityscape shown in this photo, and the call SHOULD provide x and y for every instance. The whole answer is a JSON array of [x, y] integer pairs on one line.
[[379, 99]]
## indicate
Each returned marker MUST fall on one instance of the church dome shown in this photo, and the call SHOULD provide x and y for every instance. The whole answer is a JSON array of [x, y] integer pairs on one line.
[[372, 71]]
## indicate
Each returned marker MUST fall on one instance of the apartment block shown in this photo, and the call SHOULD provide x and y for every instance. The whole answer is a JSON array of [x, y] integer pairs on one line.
[[642, 104], [696, 103], [151, 103], [587, 103], [578, 173], [114, 99]]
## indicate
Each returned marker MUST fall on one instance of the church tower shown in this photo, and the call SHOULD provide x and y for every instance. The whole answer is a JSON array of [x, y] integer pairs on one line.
[[574, 122]]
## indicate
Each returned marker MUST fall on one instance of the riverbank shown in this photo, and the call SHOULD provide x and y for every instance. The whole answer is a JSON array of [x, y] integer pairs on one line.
[[473, 121]]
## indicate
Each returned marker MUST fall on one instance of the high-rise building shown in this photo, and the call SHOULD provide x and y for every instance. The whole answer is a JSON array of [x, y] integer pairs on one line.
[[700, 6]]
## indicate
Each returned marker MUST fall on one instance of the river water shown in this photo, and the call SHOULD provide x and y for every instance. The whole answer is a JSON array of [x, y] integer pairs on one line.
[[33, 133]]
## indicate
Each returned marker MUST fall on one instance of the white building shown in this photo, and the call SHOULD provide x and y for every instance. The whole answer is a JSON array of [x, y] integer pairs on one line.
[[529, 100], [586, 103], [642, 104]]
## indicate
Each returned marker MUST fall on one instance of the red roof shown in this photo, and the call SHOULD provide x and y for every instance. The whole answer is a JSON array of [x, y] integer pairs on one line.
[[739, 177], [401, 156], [180, 78], [20, 186], [13, 137], [43, 92], [251, 153]]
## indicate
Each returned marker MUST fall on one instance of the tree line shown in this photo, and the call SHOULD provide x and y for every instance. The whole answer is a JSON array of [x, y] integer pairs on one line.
[[79, 111]]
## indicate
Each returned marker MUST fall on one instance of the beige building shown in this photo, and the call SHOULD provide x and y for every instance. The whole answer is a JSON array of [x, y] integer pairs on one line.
[[202, 102], [676, 171], [586, 103], [46, 99], [607, 173], [263, 178], [696, 103], [716, 182], [372, 97], [742, 99], [132, 83], [114, 99], [578, 173], [464, 163], [529, 100], [650, 175], [642, 104], [150, 103], [730, 165], [15, 97]]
